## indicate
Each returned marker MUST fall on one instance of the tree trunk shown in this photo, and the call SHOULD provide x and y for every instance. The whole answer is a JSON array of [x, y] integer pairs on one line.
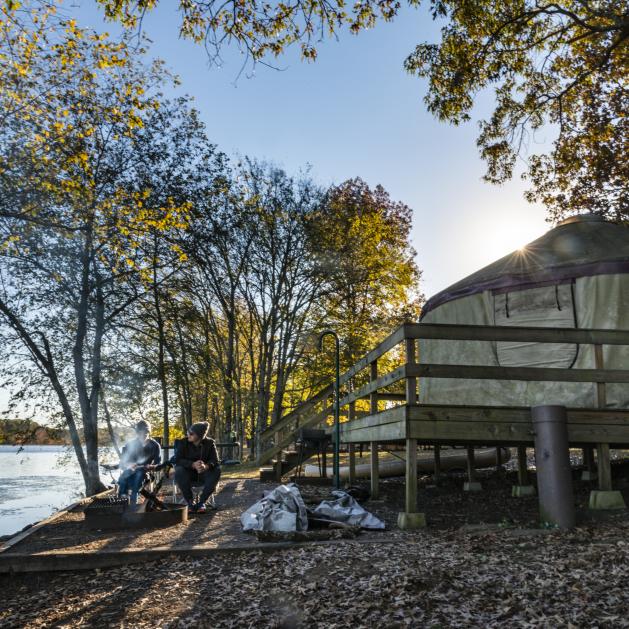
[[89, 414], [110, 428]]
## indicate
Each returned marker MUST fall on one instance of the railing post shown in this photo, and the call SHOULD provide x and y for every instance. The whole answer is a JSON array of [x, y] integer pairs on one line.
[[411, 383], [373, 404], [605, 497]]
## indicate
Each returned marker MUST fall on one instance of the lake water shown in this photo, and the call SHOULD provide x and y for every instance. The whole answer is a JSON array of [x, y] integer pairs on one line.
[[36, 481]]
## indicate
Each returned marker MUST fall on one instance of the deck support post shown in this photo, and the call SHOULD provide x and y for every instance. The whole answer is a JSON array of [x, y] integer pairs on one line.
[[604, 466], [552, 458], [472, 484], [524, 487], [589, 473], [437, 456], [410, 518], [604, 497], [373, 403], [351, 472]]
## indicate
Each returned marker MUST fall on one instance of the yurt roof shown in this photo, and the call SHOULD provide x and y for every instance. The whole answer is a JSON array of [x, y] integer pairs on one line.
[[579, 246]]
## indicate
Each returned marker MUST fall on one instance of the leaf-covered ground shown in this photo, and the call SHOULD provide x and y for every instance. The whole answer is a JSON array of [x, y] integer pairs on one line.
[[484, 576], [483, 561]]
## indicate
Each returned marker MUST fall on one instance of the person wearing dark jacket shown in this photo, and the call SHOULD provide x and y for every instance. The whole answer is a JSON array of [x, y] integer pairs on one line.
[[196, 460]]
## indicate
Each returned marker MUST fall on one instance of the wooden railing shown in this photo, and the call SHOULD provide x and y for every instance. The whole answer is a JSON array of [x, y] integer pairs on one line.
[[318, 409]]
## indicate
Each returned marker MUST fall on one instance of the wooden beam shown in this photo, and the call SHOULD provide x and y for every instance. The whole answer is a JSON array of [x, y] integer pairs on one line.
[[507, 333], [411, 476], [411, 383], [506, 434], [302, 409], [374, 384], [528, 374], [576, 416], [394, 431], [395, 338]]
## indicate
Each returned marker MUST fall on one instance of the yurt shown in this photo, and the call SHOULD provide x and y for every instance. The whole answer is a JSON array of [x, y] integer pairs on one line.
[[574, 276]]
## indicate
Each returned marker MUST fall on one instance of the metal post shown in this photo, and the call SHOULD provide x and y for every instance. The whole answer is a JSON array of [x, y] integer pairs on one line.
[[337, 386], [552, 457]]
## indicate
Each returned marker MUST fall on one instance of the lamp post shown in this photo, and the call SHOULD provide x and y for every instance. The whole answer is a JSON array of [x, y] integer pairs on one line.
[[337, 428]]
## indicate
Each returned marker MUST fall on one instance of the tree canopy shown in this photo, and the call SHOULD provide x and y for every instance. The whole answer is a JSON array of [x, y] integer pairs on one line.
[[145, 274], [561, 63], [562, 66]]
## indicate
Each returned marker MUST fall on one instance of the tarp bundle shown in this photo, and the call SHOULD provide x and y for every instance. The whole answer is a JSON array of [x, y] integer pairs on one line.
[[283, 509], [345, 509]]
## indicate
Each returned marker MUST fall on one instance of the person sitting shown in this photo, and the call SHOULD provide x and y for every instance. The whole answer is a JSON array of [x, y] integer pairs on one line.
[[196, 460], [138, 456]]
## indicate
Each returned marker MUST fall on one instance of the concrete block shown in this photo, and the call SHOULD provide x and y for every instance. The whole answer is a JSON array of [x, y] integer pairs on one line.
[[473, 486], [409, 521], [519, 491], [588, 476], [606, 500]]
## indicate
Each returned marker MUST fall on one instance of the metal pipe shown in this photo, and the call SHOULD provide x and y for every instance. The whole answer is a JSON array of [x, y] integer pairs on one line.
[[337, 426], [552, 457]]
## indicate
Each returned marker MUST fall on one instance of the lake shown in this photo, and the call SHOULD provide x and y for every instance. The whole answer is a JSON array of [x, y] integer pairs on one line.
[[36, 481]]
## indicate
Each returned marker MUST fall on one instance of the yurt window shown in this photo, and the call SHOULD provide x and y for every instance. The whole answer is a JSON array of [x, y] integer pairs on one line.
[[545, 306]]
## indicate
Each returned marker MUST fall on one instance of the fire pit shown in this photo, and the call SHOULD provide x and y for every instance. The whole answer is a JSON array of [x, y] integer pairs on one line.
[[113, 513]]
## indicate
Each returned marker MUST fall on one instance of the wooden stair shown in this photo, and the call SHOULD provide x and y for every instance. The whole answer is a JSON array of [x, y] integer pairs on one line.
[[288, 460]]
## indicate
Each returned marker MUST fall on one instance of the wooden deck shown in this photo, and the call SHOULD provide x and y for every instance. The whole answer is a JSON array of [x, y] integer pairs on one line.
[[482, 425], [396, 415]]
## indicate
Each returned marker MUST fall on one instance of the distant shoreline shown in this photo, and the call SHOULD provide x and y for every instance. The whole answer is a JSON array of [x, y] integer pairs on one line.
[[33, 447]]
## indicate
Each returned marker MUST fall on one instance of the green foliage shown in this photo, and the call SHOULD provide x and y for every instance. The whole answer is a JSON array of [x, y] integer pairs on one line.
[[261, 29], [563, 64], [144, 275], [361, 239]]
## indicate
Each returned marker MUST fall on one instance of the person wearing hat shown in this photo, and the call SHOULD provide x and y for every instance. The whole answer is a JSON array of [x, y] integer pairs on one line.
[[196, 461], [138, 456]]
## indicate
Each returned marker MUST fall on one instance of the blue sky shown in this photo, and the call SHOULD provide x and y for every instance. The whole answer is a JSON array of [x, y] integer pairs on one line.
[[355, 112]]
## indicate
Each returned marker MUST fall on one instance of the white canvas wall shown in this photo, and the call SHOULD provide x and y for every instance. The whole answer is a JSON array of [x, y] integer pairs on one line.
[[601, 302]]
